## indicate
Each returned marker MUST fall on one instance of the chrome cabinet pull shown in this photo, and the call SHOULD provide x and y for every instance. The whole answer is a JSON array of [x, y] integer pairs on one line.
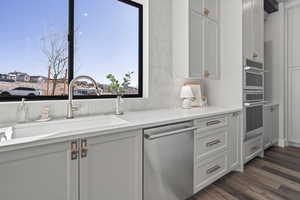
[[74, 150], [212, 143], [155, 136], [215, 122], [84, 148], [213, 169]]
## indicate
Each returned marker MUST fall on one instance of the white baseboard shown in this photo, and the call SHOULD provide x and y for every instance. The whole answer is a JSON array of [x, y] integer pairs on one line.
[[294, 144], [282, 143]]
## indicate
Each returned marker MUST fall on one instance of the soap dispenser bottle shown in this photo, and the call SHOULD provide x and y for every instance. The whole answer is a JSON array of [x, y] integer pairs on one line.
[[22, 112]]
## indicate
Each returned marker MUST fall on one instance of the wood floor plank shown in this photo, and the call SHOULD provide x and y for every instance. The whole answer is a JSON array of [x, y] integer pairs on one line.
[[264, 163], [222, 193], [253, 190], [274, 177], [223, 184], [286, 151]]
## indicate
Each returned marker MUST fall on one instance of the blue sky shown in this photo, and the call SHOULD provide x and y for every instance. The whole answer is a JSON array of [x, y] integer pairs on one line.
[[106, 36]]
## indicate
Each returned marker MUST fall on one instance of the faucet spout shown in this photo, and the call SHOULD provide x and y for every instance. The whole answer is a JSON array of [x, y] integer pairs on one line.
[[70, 107]]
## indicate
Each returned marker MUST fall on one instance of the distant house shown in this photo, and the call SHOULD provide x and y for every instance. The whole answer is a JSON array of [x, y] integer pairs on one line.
[[6, 78], [19, 76], [38, 79]]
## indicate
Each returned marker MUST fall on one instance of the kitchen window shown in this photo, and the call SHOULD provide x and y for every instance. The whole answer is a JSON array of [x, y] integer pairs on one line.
[[47, 43]]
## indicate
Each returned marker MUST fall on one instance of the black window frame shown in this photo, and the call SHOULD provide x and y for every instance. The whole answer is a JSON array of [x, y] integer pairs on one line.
[[71, 40]]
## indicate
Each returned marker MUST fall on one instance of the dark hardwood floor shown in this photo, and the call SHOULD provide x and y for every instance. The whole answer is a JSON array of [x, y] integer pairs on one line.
[[276, 177]]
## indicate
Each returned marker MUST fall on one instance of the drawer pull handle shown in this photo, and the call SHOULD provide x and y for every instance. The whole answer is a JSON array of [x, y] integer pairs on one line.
[[215, 122], [212, 143], [213, 169]]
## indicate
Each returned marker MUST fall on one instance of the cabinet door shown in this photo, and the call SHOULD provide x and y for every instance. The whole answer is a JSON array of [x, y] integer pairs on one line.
[[112, 169], [258, 30], [275, 135], [211, 49], [268, 126], [196, 45], [248, 29], [293, 124], [293, 39], [234, 140], [45, 172], [197, 5], [211, 9]]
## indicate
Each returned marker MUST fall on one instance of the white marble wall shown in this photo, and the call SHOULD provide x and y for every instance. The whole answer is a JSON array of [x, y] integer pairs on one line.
[[161, 84]]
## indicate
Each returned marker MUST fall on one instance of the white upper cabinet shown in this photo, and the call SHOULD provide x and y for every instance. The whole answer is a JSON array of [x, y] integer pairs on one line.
[[211, 49], [208, 8], [248, 29], [197, 5], [253, 13], [293, 39], [196, 39], [258, 28], [196, 46], [211, 9]]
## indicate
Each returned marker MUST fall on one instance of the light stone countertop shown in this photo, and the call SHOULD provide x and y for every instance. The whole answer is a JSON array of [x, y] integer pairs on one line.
[[63, 130]]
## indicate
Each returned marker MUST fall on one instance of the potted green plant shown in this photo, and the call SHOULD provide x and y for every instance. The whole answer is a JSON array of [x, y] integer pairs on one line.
[[118, 88]]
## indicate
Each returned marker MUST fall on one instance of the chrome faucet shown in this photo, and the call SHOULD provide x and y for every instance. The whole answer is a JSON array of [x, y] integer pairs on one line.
[[71, 107]]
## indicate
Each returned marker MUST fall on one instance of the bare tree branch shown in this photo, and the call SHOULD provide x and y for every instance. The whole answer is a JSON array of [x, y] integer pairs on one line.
[[55, 48]]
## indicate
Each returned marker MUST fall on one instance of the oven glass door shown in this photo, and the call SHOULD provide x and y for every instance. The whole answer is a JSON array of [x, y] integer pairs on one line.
[[254, 65], [254, 80], [254, 119], [253, 96]]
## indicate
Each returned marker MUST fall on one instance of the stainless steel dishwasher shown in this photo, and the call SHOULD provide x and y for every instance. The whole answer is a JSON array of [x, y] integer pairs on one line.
[[168, 162]]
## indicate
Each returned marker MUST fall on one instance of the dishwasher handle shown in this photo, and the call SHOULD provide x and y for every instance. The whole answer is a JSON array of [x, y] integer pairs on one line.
[[155, 136]]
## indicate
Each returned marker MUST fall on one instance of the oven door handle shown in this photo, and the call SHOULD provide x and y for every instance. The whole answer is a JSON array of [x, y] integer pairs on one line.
[[247, 105], [254, 69]]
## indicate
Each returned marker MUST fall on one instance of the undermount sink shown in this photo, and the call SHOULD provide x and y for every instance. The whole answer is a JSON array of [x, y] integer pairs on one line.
[[40, 130]]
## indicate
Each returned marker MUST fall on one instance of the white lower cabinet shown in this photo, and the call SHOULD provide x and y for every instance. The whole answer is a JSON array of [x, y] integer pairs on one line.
[[109, 167], [217, 147], [104, 167], [39, 173], [113, 168], [253, 147], [271, 123], [234, 141]]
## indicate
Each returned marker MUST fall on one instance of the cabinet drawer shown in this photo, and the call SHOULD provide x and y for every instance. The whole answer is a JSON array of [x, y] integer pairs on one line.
[[210, 141], [253, 147], [214, 168], [211, 123]]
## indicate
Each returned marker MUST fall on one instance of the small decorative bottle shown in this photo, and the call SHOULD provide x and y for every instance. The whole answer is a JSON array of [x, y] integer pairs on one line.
[[22, 112]]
